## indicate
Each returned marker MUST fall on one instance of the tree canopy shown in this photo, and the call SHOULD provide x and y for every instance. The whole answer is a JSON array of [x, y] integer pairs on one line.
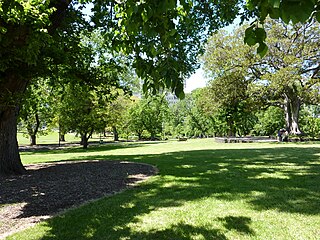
[[287, 76], [294, 11], [162, 38]]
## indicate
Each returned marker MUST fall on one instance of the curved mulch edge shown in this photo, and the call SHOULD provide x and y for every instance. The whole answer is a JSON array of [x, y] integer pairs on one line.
[[49, 189]]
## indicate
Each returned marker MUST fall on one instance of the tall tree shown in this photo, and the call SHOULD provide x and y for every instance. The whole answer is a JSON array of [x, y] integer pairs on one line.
[[291, 69], [164, 37], [149, 114], [36, 112], [286, 77], [117, 112]]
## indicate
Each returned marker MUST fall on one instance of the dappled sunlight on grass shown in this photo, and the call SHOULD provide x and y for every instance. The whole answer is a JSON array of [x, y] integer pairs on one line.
[[203, 190]]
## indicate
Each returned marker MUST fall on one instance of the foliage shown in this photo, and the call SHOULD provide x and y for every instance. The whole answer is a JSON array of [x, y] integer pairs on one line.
[[177, 122], [310, 121], [149, 114], [35, 115], [287, 77], [295, 11], [117, 114], [269, 122], [165, 37]]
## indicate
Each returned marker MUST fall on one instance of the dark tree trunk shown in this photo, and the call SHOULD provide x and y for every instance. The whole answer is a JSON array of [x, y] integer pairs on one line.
[[62, 137], [11, 86], [34, 131], [10, 162], [139, 136], [292, 109], [62, 133], [85, 138], [231, 131], [33, 140], [84, 141], [13, 82], [153, 136], [115, 133]]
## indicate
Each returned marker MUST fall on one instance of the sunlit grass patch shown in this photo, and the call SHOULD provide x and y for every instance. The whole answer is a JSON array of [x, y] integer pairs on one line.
[[203, 190]]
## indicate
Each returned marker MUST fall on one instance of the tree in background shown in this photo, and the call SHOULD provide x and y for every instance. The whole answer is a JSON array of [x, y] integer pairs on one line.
[[149, 114], [198, 123], [310, 120], [177, 121], [287, 77], [136, 124], [269, 122], [117, 114], [36, 114], [83, 111], [291, 69]]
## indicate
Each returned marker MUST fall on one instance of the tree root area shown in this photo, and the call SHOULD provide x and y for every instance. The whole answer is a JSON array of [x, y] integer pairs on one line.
[[48, 189]]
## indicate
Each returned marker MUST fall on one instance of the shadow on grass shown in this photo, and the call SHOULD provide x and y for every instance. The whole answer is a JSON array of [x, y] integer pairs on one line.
[[77, 148], [286, 179], [240, 224]]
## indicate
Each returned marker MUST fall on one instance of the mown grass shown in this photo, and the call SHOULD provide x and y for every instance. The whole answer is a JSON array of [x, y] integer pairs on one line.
[[53, 138], [204, 190]]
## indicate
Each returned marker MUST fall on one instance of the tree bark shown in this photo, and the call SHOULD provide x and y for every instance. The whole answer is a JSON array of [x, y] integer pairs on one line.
[[33, 131], [13, 82], [115, 133], [295, 109], [33, 140], [62, 137], [11, 86], [10, 162], [292, 109], [84, 141], [139, 135]]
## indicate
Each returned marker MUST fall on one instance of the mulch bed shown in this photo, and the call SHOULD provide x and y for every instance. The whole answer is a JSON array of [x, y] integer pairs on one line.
[[48, 189]]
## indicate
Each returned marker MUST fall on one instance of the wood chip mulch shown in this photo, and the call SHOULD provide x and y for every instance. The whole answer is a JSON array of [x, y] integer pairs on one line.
[[48, 189]]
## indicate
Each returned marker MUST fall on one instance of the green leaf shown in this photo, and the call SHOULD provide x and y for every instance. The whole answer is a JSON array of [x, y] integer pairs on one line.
[[3, 30], [260, 34], [144, 16], [181, 95], [250, 41], [250, 5], [276, 3], [275, 13], [318, 16], [262, 49], [285, 16], [154, 51], [250, 37]]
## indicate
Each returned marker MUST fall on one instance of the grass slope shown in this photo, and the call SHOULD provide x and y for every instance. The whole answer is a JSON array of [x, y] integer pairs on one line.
[[204, 190]]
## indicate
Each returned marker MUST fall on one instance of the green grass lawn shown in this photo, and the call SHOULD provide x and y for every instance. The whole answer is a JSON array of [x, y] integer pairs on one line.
[[204, 190], [53, 138]]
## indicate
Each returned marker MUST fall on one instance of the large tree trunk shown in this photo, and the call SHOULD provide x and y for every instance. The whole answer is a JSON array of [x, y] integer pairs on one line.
[[84, 141], [33, 140], [11, 86], [62, 137], [295, 109], [292, 109], [139, 135], [10, 162], [115, 133]]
